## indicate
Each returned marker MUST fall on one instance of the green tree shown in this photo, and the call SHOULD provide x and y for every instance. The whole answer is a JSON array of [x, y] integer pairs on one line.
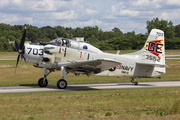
[[12, 38], [108, 40], [3, 39], [1, 47], [164, 25], [93, 40], [177, 30], [5, 46]]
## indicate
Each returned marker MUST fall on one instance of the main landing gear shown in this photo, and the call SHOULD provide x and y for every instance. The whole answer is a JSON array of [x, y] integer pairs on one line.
[[61, 84], [134, 82]]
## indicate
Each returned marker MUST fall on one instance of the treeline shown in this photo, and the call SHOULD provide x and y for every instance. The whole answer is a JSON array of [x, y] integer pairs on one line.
[[108, 40]]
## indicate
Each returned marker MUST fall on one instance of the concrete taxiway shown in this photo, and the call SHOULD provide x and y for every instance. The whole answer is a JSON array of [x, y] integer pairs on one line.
[[95, 86]]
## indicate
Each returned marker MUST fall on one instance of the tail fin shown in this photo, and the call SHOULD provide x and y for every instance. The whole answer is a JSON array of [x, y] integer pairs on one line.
[[150, 60], [154, 48]]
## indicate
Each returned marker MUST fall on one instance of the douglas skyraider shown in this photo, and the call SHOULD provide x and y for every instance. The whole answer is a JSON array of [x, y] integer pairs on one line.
[[68, 56]]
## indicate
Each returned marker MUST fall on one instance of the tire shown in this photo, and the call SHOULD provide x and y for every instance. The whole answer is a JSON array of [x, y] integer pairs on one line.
[[136, 83], [61, 84], [41, 84]]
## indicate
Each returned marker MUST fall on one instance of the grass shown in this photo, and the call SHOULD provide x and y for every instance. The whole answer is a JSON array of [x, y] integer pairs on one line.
[[8, 55], [173, 57], [172, 52], [156, 103]]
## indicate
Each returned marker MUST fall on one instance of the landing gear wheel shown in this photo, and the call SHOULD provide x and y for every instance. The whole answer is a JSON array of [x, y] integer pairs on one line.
[[41, 83], [135, 83], [61, 84]]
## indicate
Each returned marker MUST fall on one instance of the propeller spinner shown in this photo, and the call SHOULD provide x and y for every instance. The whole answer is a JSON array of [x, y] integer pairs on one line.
[[20, 49]]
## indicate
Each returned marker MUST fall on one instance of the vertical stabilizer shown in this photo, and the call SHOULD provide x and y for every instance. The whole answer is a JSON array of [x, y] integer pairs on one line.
[[151, 58], [154, 48], [155, 45]]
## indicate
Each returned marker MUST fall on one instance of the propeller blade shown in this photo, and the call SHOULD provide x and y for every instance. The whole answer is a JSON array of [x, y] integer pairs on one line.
[[23, 39], [16, 64], [16, 46], [23, 57], [20, 49]]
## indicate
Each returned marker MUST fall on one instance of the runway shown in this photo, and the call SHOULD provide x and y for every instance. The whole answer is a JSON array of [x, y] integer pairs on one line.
[[95, 86]]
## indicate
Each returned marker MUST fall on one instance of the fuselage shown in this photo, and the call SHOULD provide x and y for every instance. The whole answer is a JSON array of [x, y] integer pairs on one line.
[[50, 56]]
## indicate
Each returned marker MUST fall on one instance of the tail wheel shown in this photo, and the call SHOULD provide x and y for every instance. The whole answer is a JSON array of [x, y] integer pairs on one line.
[[42, 83], [135, 83], [61, 84]]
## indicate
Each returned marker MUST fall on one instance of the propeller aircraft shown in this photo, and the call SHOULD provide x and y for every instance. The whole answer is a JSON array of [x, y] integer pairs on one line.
[[70, 56]]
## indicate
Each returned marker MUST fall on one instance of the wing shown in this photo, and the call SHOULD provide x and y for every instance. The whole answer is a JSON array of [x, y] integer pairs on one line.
[[87, 66]]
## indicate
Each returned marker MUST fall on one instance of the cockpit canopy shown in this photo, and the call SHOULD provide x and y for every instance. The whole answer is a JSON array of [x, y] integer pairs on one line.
[[74, 44]]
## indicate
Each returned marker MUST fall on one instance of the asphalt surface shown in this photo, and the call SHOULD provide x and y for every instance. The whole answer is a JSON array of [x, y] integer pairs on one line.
[[97, 86]]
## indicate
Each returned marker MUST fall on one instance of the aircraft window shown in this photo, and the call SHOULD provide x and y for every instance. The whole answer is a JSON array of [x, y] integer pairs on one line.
[[56, 41], [59, 42], [64, 43], [85, 47], [67, 43]]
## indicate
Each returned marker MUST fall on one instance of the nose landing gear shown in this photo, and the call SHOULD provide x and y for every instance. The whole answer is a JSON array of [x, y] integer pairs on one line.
[[43, 81]]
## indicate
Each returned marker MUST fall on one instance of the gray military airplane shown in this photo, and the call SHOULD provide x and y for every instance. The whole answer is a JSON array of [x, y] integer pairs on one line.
[[70, 56]]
